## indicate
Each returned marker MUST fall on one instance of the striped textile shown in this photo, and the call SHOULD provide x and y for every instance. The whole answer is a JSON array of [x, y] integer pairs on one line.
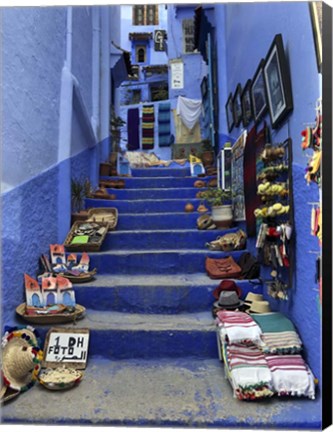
[[291, 376], [282, 343], [148, 123], [278, 334], [164, 124], [248, 372], [240, 356], [238, 327]]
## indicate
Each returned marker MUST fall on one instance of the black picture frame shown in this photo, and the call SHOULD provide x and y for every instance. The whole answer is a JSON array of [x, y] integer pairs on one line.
[[258, 93], [278, 84], [237, 105], [230, 113], [246, 104]]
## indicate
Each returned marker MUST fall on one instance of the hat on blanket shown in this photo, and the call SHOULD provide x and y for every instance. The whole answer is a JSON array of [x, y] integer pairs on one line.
[[228, 300], [227, 285], [252, 297], [21, 358], [260, 307]]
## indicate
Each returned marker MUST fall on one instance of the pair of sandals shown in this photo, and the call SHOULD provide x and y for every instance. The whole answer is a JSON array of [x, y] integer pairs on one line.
[[205, 222]]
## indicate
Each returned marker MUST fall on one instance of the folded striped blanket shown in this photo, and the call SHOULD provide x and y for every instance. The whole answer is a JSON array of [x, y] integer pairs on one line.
[[238, 327], [248, 372], [279, 335], [291, 376]]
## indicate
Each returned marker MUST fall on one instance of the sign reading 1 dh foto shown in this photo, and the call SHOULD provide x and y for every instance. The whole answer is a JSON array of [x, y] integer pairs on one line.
[[68, 346]]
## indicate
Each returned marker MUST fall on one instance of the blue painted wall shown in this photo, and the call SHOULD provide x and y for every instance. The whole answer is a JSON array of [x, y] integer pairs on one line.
[[33, 49], [249, 30]]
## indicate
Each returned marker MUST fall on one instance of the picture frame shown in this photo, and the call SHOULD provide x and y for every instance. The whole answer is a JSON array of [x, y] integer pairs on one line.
[[278, 84], [247, 113], [230, 113], [258, 93], [316, 13], [237, 106]]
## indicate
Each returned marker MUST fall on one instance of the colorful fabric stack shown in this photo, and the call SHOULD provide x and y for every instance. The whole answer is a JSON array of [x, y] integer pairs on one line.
[[279, 334], [249, 373], [148, 122], [291, 376], [238, 327], [164, 124], [260, 353]]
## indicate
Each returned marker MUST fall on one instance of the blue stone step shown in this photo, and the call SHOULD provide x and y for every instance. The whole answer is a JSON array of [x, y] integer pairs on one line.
[[170, 393], [157, 193], [154, 294], [161, 239], [139, 261], [144, 206], [159, 221], [160, 172], [158, 182], [118, 335]]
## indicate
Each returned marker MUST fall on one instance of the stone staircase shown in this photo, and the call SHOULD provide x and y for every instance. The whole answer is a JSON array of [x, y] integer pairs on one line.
[[153, 357]]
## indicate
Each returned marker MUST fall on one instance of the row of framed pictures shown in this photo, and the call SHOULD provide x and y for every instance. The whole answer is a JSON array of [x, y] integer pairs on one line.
[[269, 89]]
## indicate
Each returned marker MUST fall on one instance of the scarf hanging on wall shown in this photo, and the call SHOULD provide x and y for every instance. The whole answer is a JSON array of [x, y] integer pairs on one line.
[[164, 124], [148, 120], [133, 121]]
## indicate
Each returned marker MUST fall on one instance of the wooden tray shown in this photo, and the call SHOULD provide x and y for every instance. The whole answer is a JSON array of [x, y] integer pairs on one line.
[[104, 214], [84, 247], [51, 319]]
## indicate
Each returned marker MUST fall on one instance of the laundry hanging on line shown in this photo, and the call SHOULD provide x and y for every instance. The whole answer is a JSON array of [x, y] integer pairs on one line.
[[189, 110]]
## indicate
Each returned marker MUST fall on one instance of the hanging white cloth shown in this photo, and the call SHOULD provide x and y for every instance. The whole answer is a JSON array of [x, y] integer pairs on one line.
[[189, 110]]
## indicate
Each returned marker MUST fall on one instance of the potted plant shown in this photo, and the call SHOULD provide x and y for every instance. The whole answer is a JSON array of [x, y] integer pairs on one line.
[[80, 189], [220, 202], [207, 155]]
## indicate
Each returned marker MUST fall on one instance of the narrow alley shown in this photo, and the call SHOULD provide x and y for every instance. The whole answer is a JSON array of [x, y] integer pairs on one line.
[[162, 216]]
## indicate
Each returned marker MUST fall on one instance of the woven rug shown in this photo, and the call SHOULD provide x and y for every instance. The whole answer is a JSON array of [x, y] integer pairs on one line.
[[164, 125], [133, 121], [148, 121]]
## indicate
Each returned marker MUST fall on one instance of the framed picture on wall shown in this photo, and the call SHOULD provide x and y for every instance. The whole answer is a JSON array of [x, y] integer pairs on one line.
[[258, 93], [230, 113], [277, 81], [237, 105], [246, 104]]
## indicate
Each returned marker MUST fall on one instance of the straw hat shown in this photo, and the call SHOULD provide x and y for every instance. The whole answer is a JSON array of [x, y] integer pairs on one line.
[[260, 307], [252, 297], [205, 222], [21, 358]]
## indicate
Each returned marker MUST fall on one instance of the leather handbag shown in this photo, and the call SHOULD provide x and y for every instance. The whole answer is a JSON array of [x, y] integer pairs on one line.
[[222, 268]]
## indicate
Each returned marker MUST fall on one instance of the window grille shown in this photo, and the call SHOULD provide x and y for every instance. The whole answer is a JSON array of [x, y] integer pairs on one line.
[[188, 35], [145, 15], [140, 54]]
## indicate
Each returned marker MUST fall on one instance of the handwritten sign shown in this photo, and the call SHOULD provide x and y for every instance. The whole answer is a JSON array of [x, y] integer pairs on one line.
[[68, 346], [177, 74]]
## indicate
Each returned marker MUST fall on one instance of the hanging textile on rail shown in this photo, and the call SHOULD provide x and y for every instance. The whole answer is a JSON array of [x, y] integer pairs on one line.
[[133, 122], [148, 123], [164, 124], [189, 111]]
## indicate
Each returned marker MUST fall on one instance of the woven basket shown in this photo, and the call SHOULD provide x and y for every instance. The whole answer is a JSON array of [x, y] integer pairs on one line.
[[104, 214], [51, 319], [84, 247]]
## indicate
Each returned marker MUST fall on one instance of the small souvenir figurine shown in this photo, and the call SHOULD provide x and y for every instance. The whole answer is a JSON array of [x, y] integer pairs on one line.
[[57, 253], [83, 266]]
